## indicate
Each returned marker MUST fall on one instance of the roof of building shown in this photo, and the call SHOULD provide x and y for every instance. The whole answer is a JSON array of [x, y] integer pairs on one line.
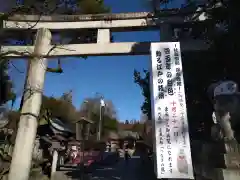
[[82, 118], [122, 126]]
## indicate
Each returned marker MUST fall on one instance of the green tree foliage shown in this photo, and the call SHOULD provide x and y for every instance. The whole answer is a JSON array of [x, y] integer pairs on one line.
[[56, 7], [92, 6], [138, 127], [143, 82], [57, 107], [90, 108], [6, 92], [14, 117], [67, 96], [108, 124], [203, 68], [93, 104], [68, 7], [45, 7], [61, 109]]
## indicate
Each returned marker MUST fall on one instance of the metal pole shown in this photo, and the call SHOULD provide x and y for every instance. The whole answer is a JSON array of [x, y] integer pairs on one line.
[[102, 105], [82, 161], [99, 125], [27, 127], [88, 117]]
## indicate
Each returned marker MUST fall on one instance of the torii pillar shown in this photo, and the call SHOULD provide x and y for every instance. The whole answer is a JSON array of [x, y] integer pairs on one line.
[[166, 33]]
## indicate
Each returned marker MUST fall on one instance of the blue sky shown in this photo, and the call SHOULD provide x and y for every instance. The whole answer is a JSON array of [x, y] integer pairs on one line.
[[112, 76]]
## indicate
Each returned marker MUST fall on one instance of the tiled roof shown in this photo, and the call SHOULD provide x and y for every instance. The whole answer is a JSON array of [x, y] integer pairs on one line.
[[123, 126]]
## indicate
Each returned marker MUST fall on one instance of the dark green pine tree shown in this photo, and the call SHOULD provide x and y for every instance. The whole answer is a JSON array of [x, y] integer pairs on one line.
[[6, 85]]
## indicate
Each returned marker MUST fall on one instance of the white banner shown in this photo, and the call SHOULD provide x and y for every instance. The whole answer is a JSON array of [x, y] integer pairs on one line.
[[169, 113]]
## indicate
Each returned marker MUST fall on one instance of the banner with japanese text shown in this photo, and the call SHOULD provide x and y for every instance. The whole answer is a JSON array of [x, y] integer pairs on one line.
[[172, 144]]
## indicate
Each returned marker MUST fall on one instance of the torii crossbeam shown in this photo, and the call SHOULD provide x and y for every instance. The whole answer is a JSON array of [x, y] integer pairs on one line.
[[104, 23]]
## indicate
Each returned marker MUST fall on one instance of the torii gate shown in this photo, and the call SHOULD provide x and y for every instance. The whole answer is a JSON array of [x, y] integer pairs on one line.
[[104, 23]]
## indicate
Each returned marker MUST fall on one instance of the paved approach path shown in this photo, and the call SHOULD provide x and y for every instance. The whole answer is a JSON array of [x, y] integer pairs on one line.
[[134, 169], [119, 171]]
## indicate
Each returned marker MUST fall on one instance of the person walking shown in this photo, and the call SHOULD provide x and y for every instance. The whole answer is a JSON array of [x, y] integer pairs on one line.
[[126, 154]]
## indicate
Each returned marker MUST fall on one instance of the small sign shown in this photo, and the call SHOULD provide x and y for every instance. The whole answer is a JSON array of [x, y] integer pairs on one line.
[[226, 88]]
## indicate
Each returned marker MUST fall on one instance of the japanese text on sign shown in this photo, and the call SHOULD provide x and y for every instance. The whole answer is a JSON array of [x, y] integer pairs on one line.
[[173, 155]]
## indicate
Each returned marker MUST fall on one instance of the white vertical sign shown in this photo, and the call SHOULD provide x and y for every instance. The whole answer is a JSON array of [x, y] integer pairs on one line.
[[169, 114]]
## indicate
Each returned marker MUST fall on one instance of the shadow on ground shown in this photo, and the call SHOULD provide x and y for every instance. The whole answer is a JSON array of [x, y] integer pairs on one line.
[[113, 168]]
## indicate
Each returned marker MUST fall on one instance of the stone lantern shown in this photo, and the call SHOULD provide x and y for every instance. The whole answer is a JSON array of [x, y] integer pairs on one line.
[[83, 128]]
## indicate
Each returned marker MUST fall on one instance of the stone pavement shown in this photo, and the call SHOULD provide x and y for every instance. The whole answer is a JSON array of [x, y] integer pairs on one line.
[[134, 169], [121, 170]]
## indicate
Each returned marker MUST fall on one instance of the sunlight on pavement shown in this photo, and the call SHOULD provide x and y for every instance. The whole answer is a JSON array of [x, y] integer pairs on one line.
[[106, 168], [116, 177]]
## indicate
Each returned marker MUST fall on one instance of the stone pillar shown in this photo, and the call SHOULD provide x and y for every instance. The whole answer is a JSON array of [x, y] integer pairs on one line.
[[231, 162], [219, 161], [224, 151], [79, 127], [54, 163], [87, 131], [226, 174], [166, 33], [28, 123], [103, 36]]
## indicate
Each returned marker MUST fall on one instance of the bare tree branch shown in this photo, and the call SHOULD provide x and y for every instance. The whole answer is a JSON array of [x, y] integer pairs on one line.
[[25, 9]]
